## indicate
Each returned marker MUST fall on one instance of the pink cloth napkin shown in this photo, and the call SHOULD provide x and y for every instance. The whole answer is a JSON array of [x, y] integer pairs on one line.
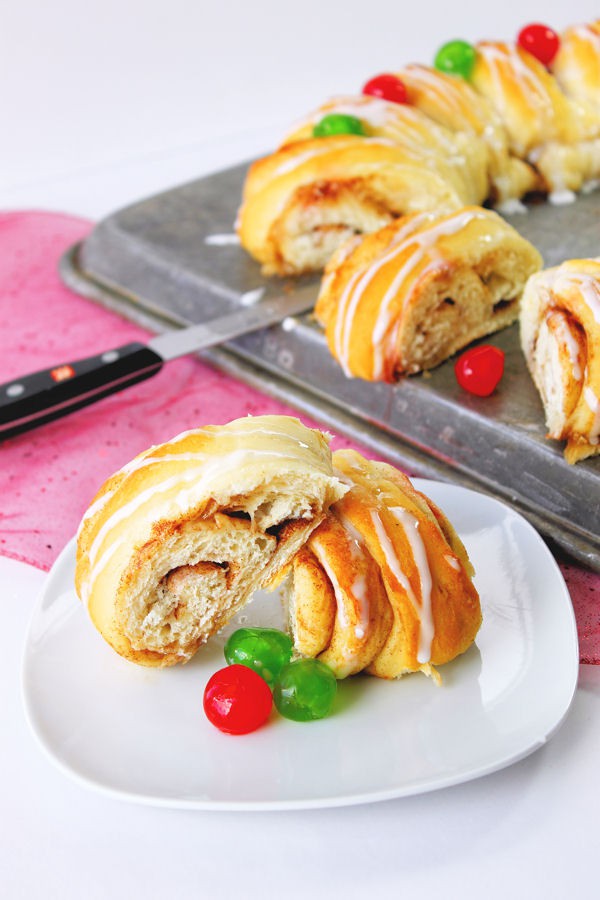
[[48, 476]]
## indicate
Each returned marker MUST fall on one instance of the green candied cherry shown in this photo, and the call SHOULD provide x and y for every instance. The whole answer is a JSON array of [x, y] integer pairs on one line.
[[456, 58], [338, 123], [265, 650], [305, 690]]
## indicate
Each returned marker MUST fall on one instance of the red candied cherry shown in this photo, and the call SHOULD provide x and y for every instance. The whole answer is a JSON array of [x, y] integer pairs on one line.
[[387, 87], [539, 40], [237, 700], [480, 369]]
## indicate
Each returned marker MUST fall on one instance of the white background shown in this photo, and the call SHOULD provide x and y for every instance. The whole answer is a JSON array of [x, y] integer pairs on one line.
[[148, 87], [101, 104]]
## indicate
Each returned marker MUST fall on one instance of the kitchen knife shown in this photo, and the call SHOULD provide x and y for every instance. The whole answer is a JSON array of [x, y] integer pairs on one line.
[[49, 394]]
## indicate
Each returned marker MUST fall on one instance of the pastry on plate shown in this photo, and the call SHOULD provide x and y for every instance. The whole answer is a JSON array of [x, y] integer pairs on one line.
[[412, 294], [560, 337], [557, 135], [303, 201], [385, 584], [453, 103], [181, 537]]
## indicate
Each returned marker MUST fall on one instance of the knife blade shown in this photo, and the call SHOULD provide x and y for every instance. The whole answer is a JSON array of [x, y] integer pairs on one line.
[[32, 400]]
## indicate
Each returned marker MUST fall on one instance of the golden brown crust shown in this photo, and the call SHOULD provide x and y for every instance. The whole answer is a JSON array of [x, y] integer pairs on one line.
[[409, 296], [302, 201], [409, 548]]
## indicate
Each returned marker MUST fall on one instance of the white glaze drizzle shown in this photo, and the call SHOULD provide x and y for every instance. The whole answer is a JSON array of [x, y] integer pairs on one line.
[[392, 560], [410, 524], [418, 234], [530, 84], [249, 298], [221, 240], [359, 596], [321, 148]]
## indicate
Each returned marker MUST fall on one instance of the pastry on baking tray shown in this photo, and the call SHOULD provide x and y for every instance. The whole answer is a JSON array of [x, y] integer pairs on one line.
[[576, 66], [453, 103], [303, 201], [557, 135], [176, 541], [560, 336], [407, 125], [384, 545], [412, 294]]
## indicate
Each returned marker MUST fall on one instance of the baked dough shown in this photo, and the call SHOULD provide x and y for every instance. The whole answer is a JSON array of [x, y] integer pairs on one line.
[[576, 66], [412, 294], [453, 103], [465, 160], [181, 537], [386, 586], [560, 337], [559, 136], [301, 203]]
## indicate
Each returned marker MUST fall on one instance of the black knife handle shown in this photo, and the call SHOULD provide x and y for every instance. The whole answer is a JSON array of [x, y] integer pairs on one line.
[[51, 393]]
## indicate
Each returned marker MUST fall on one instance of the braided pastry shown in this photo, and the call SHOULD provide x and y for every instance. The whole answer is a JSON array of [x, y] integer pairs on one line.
[[302, 202], [384, 584]]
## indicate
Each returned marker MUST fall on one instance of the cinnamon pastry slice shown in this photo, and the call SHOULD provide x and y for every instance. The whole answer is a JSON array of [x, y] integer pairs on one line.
[[303, 201], [388, 547], [181, 537], [560, 137], [412, 294], [560, 337], [407, 125]]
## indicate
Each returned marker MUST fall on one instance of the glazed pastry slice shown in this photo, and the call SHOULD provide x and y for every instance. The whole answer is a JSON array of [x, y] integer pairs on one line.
[[408, 126], [402, 542], [560, 337], [452, 102], [178, 540], [302, 202], [409, 296], [559, 136]]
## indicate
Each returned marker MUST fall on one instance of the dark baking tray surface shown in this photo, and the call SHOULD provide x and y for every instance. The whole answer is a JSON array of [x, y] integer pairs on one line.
[[171, 260]]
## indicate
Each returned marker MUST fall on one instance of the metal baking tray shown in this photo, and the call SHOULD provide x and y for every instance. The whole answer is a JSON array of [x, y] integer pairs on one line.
[[172, 260]]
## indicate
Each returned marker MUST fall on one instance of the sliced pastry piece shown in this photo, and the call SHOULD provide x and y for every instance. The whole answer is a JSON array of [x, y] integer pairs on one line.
[[407, 125], [303, 201], [576, 66], [412, 294], [560, 337], [388, 547], [452, 102], [559, 136], [180, 538]]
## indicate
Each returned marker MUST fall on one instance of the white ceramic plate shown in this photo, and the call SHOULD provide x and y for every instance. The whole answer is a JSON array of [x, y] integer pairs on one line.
[[141, 734]]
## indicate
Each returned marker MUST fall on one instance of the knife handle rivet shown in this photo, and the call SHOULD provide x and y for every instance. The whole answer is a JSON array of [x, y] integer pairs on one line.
[[109, 356], [15, 390]]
